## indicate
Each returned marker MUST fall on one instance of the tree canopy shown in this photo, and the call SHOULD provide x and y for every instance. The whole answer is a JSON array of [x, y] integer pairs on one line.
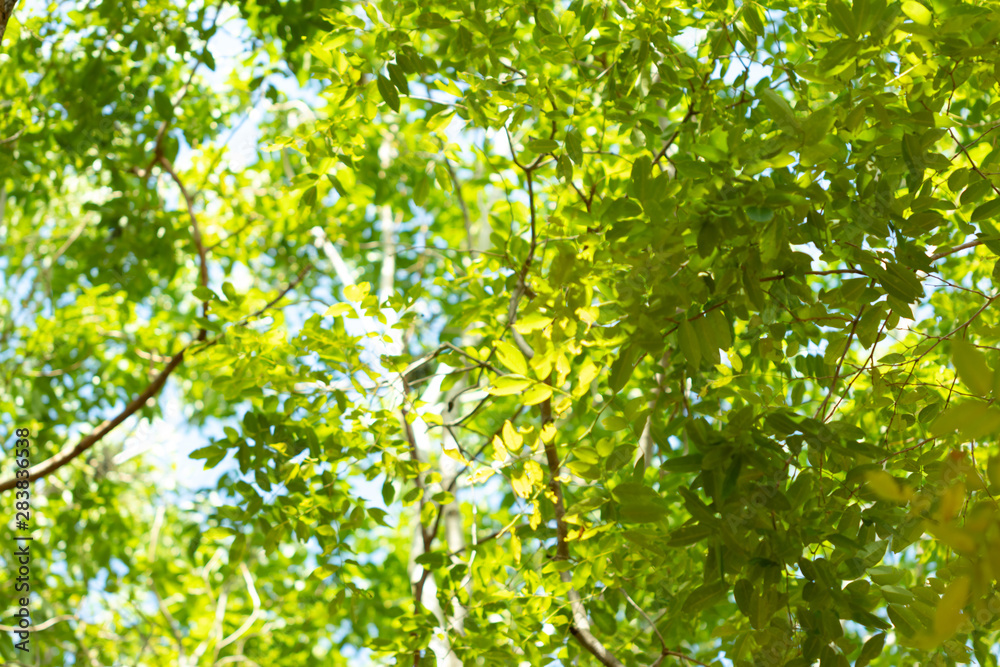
[[595, 332]]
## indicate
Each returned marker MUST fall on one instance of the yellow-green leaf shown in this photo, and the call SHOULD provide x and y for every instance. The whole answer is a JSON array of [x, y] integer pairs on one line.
[[993, 470], [338, 309], [971, 366], [886, 487], [948, 615], [536, 394], [512, 358], [357, 292], [500, 454], [508, 386], [512, 440], [532, 322], [972, 418], [917, 13]]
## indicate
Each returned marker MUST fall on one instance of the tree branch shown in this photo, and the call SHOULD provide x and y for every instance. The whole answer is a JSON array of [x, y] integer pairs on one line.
[[665, 652], [965, 246], [522, 277], [6, 11], [580, 625], [840, 365], [254, 615], [195, 230], [466, 218], [175, 629], [41, 626], [67, 455], [12, 138]]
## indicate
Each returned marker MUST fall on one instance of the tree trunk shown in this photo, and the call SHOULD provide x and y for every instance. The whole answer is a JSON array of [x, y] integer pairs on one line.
[[6, 11]]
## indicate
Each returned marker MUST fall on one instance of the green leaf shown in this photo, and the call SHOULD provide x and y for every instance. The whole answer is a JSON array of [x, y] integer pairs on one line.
[[899, 621], [432, 560], [642, 512], [574, 146], [547, 20], [972, 368], [993, 470], [162, 104], [388, 92], [690, 346], [779, 108], [543, 145], [917, 13], [948, 615], [842, 17], [990, 236], [986, 211], [622, 367], [743, 592], [536, 394], [421, 190], [898, 281], [640, 176], [688, 535], [398, 78], [688, 463], [508, 386], [565, 169], [976, 190], [357, 292], [218, 533], [203, 293], [378, 516], [237, 548], [753, 18], [308, 199], [973, 418], [512, 358], [703, 596], [432, 20], [323, 572]]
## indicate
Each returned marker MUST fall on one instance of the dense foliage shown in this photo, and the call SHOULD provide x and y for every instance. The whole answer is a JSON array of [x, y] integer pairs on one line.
[[595, 332]]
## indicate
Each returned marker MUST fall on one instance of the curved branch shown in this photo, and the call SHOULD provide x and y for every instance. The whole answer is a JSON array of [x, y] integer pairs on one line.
[[254, 615], [6, 11], [195, 229], [196, 237], [41, 626], [67, 455], [12, 138], [840, 364], [580, 625], [466, 218], [965, 246], [172, 624]]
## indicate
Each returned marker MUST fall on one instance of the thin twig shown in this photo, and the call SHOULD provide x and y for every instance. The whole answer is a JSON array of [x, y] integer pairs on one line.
[[840, 364], [580, 625], [952, 251], [466, 218], [254, 615], [195, 228], [41, 626]]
